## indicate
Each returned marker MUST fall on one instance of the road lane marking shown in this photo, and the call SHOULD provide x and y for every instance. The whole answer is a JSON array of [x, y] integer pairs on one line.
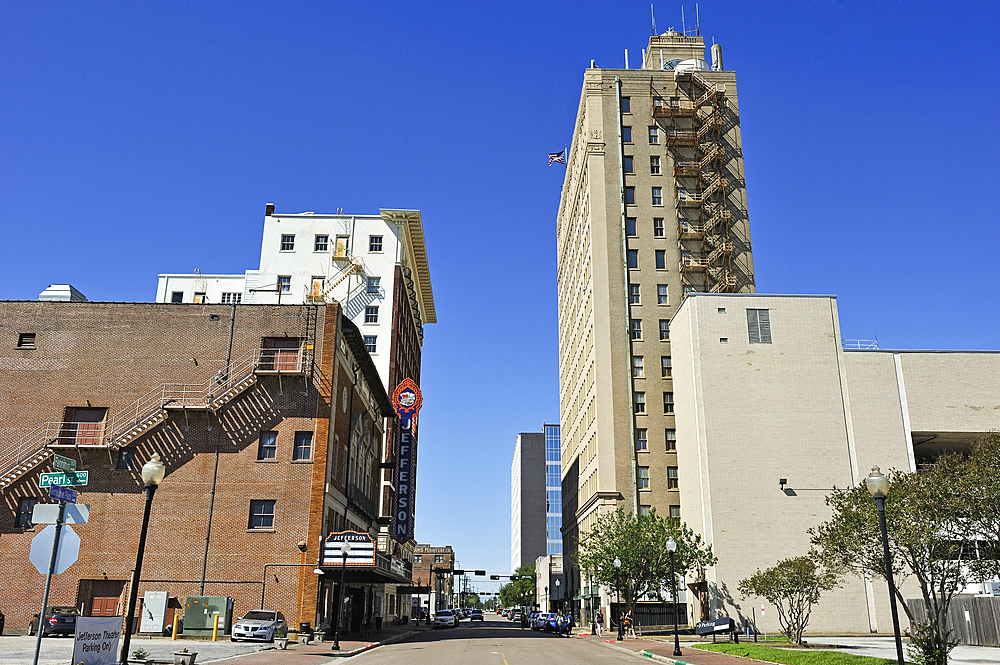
[[504, 659]]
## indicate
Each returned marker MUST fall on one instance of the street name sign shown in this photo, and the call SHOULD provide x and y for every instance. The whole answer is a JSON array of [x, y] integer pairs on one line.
[[41, 549], [60, 463], [62, 494], [63, 478], [48, 513]]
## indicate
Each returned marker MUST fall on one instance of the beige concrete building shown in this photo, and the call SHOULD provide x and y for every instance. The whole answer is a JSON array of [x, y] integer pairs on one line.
[[766, 390], [653, 207]]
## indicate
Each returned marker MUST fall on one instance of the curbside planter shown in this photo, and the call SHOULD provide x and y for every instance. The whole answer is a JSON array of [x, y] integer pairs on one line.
[[184, 657]]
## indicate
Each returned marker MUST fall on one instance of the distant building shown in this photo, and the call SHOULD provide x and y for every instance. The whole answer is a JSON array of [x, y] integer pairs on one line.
[[432, 567], [527, 500], [550, 583]]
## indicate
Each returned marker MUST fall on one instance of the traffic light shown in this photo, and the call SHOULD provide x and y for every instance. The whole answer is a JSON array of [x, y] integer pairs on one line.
[[494, 577], [458, 572], [480, 573]]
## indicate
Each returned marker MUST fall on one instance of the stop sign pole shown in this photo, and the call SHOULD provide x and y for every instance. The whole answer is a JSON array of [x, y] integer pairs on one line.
[[48, 579]]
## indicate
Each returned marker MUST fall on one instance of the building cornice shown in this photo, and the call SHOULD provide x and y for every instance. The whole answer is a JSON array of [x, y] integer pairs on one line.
[[413, 240]]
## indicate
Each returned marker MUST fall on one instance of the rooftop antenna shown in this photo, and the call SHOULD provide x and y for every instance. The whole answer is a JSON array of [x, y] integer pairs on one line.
[[697, 19], [652, 16], [684, 30]]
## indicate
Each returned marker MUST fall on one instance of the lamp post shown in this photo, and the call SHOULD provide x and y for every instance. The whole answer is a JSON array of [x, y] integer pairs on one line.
[[345, 550], [672, 547], [590, 601], [878, 487], [618, 588], [558, 604], [152, 474]]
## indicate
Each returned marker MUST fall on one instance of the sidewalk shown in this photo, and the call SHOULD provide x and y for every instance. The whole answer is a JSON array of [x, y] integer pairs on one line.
[[662, 649], [316, 653]]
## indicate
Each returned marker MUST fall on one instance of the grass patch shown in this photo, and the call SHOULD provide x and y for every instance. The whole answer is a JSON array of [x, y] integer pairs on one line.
[[790, 657]]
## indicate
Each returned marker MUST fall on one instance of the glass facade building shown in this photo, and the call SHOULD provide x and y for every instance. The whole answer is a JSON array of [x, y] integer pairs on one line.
[[553, 490]]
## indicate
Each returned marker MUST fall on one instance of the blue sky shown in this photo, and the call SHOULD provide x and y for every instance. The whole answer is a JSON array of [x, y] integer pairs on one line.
[[144, 138]]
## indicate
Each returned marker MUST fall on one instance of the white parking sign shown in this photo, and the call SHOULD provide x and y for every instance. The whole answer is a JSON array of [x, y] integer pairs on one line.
[[96, 641]]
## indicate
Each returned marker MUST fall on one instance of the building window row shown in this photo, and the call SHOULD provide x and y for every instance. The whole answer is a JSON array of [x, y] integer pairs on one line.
[[321, 243], [635, 329], [631, 227], [656, 194], [267, 446]]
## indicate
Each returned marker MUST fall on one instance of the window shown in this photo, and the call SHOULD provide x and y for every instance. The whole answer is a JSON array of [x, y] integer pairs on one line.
[[664, 330], [723, 340], [26, 341], [177, 296], [637, 370], [675, 512], [340, 247], [630, 196], [633, 294], [630, 226], [657, 196], [321, 244], [418, 558], [654, 165], [262, 514], [661, 259], [374, 243], [640, 439], [199, 297], [722, 310], [640, 402], [657, 227], [371, 314], [670, 435], [628, 165], [626, 104], [671, 477], [24, 508], [284, 283], [126, 459], [302, 448], [665, 367], [637, 329], [370, 343], [668, 402], [654, 135], [287, 243], [759, 322], [644, 477], [633, 258], [438, 558], [231, 298], [373, 285], [644, 511], [267, 448], [662, 295], [626, 134]]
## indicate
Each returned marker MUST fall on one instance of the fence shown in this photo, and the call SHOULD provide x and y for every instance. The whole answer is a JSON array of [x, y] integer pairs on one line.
[[974, 620], [651, 615]]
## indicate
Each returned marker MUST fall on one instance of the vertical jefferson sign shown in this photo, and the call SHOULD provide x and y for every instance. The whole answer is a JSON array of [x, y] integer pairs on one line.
[[406, 400]]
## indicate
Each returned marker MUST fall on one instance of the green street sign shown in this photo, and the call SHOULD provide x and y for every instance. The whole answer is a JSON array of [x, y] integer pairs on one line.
[[61, 463], [63, 479]]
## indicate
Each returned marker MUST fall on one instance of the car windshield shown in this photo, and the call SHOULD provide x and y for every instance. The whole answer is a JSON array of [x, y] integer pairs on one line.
[[444, 613], [64, 611], [259, 615]]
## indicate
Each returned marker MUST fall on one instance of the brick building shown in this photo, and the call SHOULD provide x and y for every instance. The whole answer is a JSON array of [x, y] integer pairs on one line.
[[427, 560], [248, 406]]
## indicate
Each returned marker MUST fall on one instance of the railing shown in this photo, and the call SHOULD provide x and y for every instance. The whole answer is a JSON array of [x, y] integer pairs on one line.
[[724, 283], [685, 228], [723, 249], [693, 262], [864, 344], [682, 196], [356, 496], [716, 184]]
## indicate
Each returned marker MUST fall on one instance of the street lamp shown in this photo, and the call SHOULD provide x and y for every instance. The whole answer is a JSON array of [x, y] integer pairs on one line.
[[618, 587], [878, 487], [672, 547], [345, 550], [558, 604], [590, 601], [152, 474]]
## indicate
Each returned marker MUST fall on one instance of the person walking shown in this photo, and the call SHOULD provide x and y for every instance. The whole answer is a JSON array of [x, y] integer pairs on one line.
[[621, 627], [570, 624], [629, 626], [600, 624]]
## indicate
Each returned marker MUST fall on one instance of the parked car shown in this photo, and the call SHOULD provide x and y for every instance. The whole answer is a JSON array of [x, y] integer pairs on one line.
[[476, 615], [56, 621], [445, 619], [264, 625], [551, 624], [531, 620], [516, 615]]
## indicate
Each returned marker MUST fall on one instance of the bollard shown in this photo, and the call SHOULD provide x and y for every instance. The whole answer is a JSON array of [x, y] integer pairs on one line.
[[173, 634], [215, 629]]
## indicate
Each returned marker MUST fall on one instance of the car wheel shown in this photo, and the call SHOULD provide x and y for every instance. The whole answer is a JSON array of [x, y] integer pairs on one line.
[[270, 637], [233, 639]]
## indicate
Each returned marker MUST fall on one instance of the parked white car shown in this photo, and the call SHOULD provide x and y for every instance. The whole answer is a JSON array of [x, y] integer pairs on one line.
[[445, 619], [264, 625]]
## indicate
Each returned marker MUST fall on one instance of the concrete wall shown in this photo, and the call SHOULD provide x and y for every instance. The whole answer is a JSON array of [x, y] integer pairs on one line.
[[528, 499]]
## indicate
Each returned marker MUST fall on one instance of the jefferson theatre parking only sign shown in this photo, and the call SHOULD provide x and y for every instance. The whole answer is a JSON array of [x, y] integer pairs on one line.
[[96, 640]]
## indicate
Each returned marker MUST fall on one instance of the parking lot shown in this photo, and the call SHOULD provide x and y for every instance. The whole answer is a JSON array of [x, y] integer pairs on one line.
[[20, 649]]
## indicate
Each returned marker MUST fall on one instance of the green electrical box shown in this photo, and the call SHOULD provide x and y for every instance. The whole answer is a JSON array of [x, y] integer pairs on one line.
[[200, 613]]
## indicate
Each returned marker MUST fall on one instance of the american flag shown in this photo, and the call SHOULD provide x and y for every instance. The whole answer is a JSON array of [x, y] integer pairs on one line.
[[557, 157]]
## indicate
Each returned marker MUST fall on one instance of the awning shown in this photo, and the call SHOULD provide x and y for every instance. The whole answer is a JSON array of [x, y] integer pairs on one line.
[[413, 590]]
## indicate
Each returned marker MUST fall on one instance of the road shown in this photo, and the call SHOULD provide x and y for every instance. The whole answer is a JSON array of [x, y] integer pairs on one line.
[[492, 642]]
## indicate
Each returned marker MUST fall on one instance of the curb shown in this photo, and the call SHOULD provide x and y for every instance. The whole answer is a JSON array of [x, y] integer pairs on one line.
[[646, 654], [388, 640]]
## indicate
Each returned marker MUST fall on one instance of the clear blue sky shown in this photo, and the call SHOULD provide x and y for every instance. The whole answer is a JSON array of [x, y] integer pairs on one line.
[[143, 138]]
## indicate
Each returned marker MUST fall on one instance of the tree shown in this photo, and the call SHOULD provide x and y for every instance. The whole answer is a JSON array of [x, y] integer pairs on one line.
[[978, 478], [793, 586], [639, 542], [929, 539], [521, 591]]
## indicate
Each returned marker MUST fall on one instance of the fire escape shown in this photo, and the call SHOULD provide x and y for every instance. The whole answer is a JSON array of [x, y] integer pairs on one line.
[[695, 129]]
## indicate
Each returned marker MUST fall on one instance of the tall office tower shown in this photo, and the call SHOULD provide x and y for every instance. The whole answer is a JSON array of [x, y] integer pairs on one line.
[[527, 500], [653, 207]]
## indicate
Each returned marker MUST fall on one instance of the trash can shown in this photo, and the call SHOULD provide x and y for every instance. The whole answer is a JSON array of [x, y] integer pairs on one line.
[[405, 619], [305, 628]]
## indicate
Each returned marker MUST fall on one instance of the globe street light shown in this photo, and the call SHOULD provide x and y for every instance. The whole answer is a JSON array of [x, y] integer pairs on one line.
[[878, 487], [618, 587], [345, 550], [152, 474], [672, 547], [558, 604]]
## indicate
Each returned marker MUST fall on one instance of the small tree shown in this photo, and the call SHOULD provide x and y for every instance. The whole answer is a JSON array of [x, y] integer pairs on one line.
[[793, 586], [521, 591], [639, 543]]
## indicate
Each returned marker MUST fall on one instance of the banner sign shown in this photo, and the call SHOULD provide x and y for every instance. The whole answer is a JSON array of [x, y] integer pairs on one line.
[[96, 640], [406, 399], [362, 549]]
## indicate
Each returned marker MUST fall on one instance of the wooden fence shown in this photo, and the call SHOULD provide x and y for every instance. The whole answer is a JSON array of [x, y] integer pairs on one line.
[[974, 620]]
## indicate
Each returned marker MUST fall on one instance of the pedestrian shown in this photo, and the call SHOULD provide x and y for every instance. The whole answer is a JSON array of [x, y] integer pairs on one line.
[[621, 627], [629, 626], [600, 624], [570, 624]]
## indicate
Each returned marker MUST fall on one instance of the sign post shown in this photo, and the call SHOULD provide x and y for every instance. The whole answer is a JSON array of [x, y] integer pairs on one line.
[[48, 580]]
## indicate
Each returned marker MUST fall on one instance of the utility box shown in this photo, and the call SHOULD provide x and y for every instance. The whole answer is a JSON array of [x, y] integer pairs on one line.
[[200, 613], [154, 612]]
